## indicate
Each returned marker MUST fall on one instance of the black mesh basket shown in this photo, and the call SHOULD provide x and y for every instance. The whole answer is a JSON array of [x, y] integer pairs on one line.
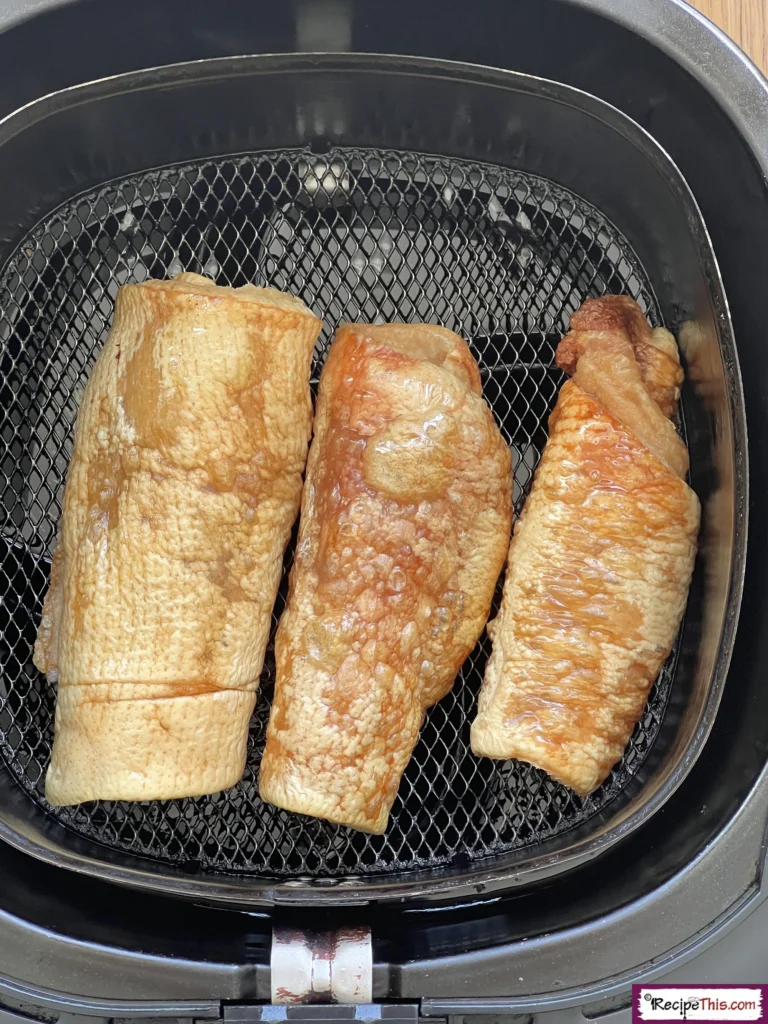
[[493, 249]]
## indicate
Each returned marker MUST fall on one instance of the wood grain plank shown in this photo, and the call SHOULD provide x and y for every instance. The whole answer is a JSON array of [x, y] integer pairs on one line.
[[745, 21]]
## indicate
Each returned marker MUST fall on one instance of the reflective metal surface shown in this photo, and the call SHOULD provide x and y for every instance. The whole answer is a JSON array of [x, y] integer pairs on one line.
[[321, 967]]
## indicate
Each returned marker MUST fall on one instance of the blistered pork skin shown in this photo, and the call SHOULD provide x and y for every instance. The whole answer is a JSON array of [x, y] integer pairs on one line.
[[184, 482], [404, 528], [601, 558]]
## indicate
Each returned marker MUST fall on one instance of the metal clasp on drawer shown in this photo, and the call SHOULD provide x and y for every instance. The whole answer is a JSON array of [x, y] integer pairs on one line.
[[322, 967], [370, 1013]]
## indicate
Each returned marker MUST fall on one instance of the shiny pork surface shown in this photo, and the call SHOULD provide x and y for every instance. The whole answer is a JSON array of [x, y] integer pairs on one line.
[[405, 523], [601, 558]]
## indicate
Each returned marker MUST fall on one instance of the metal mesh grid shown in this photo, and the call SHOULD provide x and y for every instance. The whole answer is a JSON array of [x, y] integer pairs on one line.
[[501, 257]]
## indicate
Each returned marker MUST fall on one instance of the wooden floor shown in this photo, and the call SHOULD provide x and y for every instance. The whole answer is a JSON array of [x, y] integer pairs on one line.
[[746, 21]]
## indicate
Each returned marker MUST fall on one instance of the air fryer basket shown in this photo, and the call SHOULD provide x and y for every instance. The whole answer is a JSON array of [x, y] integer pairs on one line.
[[375, 189]]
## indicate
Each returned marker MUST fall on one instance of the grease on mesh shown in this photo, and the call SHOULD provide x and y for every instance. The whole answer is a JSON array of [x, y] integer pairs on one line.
[[501, 257]]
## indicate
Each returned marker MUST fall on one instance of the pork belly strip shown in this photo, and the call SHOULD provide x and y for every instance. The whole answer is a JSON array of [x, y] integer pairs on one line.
[[404, 528], [184, 482], [601, 558]]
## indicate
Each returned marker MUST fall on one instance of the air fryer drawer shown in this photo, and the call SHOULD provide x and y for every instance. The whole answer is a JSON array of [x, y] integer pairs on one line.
[[373, 188]]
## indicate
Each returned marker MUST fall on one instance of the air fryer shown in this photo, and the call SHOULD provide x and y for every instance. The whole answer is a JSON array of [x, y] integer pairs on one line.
[[513, 160]]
